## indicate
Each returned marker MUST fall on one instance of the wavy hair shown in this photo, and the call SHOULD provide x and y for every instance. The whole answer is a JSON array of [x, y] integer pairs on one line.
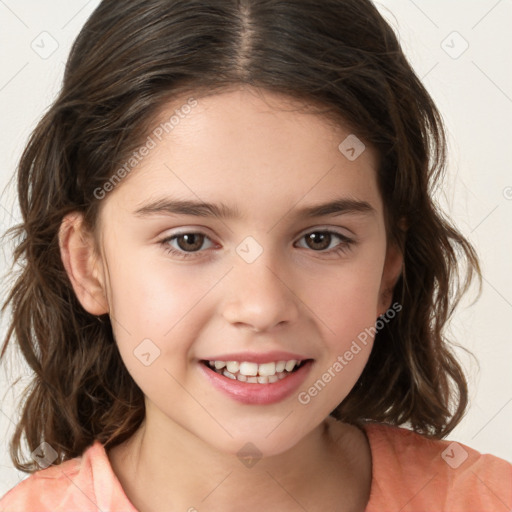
[[128, 61]]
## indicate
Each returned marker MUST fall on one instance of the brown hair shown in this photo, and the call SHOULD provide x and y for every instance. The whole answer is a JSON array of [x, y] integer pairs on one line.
[[128, 60]]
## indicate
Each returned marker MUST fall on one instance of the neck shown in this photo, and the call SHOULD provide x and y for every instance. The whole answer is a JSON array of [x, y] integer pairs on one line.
[[171, 469]]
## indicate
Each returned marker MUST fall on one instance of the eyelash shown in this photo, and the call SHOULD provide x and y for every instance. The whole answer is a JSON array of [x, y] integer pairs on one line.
[[342, 248]]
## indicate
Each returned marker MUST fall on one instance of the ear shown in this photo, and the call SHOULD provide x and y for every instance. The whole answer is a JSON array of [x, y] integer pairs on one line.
[[390, 275], [82, 264]]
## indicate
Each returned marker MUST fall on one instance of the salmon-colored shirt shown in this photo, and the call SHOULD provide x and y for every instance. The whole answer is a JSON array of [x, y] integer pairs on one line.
[[409, 474]]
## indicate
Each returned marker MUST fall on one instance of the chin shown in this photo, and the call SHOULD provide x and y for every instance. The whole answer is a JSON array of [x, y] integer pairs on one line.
[[267, 439]]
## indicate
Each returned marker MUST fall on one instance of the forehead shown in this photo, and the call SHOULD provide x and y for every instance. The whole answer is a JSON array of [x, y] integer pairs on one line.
[[249, 148]]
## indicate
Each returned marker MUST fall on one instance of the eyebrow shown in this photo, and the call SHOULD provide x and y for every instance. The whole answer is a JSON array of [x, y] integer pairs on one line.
[[333, 208]]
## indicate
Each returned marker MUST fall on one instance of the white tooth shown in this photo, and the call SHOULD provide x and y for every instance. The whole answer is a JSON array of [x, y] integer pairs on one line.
[[280, 366], [267, 369], [212, 363], [281, 375], [262, 379], [290, 365], [272, 378], [220, 364], [232, 366], [252, 380], [248, 369], [241, 378], [228, 374]]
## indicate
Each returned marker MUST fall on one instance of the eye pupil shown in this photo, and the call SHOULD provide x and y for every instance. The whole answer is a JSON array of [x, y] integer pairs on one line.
[[319, 237], [195, 241]]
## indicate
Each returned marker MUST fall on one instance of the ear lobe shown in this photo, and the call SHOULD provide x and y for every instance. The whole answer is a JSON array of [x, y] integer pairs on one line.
[[82, 264], [390, 275]]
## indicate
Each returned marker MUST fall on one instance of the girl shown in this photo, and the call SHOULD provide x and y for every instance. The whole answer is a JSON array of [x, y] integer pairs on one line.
[[235, 280]]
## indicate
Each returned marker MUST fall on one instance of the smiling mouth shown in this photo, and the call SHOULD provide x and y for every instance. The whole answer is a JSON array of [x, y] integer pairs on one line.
[[253, 373]]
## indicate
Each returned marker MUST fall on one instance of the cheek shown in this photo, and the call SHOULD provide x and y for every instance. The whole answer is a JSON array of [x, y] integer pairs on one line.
[[348, 316], [346, 301], [159, 308], [151, 296], [346, 306], [156, 315]]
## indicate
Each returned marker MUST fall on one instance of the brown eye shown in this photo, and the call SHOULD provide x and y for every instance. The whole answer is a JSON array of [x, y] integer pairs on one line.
[[187, 245], [318, 240], [327, 242], [190, 241]]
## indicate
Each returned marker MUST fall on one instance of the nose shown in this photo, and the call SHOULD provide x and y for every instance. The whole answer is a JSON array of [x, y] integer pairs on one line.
[[259, 296]]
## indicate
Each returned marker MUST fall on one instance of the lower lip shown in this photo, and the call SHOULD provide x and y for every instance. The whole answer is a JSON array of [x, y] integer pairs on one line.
[[260, 394]]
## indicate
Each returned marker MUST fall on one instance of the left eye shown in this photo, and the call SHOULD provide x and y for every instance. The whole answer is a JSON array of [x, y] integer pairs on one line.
[[323, 239], [319, 241]]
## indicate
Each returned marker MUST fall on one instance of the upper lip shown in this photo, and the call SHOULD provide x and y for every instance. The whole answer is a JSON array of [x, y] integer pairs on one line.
[[260, 358]]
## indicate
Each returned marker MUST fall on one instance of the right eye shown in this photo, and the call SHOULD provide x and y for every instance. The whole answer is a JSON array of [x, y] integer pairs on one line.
[[187, 243]]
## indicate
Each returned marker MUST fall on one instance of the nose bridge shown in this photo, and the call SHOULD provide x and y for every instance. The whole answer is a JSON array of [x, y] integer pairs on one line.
[[258, 293]]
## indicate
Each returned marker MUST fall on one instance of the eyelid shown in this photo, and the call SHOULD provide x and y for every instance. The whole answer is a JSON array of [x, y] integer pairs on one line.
[[330, 229], [190, 230]]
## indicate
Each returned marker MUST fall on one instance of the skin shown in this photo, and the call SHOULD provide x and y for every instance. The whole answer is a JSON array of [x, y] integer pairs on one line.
[[249, 150]]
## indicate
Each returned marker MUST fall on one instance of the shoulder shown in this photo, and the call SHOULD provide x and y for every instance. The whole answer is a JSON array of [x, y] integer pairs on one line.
[[412, 472], [43, 489], [85, 483]]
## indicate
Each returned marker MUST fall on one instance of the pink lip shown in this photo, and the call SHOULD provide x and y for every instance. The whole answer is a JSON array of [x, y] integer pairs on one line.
[[258, 394], [253, 357]]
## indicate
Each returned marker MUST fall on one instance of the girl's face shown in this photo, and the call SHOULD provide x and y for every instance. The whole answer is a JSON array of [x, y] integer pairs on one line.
[[208, 253]]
